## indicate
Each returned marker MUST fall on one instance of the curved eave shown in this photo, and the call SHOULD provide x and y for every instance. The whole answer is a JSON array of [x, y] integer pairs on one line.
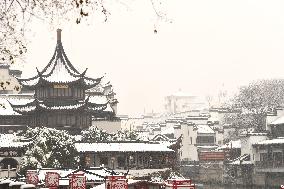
[[26, 110], [90, 83], [29, 83], [65, 107], [96, 108]]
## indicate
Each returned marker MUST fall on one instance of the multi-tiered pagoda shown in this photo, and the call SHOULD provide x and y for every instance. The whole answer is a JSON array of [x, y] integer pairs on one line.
[[60, 99]]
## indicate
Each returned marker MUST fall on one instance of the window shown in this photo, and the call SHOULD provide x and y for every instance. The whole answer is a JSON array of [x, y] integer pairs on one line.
[[190, 140], [205, 139]]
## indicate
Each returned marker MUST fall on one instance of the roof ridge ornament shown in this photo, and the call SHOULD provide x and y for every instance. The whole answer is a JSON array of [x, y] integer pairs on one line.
[[59, 35], [38, 72], [84, 73]]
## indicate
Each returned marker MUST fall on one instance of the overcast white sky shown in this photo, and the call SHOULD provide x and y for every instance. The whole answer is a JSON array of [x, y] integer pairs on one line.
[[209, 43]]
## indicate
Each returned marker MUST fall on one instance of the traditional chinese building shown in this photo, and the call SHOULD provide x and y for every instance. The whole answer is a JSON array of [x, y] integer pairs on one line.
[[64, 98], [127, 155]]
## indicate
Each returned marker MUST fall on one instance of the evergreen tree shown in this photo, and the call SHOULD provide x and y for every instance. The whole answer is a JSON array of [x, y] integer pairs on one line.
[[256, 100], [94, 134], [49, 148]]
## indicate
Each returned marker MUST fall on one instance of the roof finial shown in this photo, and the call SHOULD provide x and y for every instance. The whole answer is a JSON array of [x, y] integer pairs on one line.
[[59, 34]]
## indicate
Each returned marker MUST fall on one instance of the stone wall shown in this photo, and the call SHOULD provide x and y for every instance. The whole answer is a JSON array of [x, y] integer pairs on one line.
[[204, 173], [212, 173]]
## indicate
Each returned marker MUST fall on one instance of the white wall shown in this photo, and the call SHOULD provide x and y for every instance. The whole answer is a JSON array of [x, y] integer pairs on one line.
[[4, 76], [271, 118], [188, 150], [219, 138], [248, 141], [108, 126]]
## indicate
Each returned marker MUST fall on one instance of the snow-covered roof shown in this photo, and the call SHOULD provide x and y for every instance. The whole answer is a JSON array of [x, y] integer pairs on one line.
[[59, 70], [101, 186], [108, 108], [32, 106], [169, 130], [238, 162], [279, 140], [231, 144], [204, 129], [92, 174], [98, 99], [97, 89], [122, 147], [10, 140], [6, 108], [62, 173], [142, 172], [278, 121], [65, 107], [27, 186], [16, 183], [242, 160], [6, 181]]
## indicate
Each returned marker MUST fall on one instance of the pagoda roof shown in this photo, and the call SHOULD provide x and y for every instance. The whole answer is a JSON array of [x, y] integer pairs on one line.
[[36, 105], [59, 70]]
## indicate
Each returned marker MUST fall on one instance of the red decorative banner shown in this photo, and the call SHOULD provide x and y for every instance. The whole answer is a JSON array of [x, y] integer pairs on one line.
[[179, 184], [77, 182], [116, 182], [52, 179], [32, 177], [211, 156]]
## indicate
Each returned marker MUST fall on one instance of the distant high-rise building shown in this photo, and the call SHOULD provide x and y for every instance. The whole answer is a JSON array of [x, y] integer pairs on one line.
[[182, 102]]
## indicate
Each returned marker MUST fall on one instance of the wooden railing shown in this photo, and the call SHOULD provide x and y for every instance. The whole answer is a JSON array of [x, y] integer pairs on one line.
[[8, 173]]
